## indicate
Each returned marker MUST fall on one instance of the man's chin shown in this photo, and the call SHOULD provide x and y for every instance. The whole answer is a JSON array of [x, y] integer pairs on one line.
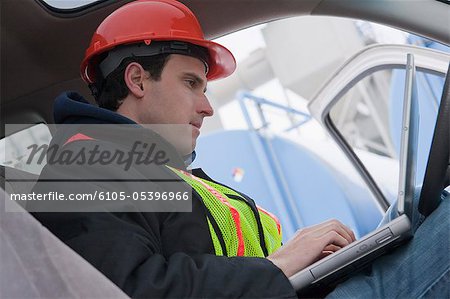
[[186, 150], [195, 132]]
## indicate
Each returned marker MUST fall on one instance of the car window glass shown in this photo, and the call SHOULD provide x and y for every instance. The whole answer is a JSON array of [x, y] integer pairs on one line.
[[275, 151], [285, 63], [281, 66], [16, 151]]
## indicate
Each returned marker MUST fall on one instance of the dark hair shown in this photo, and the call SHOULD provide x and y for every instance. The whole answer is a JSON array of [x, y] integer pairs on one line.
[[111, 91]]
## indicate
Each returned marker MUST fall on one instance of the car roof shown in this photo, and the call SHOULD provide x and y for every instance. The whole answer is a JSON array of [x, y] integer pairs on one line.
[[41, 48]]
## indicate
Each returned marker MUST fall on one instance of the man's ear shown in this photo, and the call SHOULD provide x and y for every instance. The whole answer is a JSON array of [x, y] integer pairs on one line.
[[134, 77]]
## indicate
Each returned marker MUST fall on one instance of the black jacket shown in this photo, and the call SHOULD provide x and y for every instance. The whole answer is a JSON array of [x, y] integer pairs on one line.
[[149, 254]]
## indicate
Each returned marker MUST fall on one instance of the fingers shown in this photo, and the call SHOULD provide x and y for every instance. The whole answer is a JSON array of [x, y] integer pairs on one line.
[[331, 248], [340, 229], [343, 230], [334, 238], [350, 233], [328, 250]]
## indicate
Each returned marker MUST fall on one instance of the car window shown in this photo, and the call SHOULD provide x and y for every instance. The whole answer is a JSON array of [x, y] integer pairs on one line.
[[285, 63], [284, 158], [16, 147]]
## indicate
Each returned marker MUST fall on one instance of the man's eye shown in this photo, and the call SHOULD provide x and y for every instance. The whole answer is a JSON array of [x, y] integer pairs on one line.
[[190, 82]]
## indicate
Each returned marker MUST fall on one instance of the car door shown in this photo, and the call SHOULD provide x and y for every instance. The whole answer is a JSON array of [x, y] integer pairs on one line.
[[360, 106]]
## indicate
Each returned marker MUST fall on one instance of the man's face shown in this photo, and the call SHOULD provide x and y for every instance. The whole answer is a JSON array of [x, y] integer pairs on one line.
[[178, 98]]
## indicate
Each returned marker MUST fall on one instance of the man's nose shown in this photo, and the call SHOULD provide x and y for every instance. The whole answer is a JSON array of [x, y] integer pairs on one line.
[[205, 107]]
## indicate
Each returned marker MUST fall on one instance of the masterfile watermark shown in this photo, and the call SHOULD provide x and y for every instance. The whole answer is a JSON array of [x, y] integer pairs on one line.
[[96, 168], [123, 146], [139, 153], [102, 196]]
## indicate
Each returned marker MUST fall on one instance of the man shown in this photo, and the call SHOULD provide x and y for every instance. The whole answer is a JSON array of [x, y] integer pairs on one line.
[[148, 64]]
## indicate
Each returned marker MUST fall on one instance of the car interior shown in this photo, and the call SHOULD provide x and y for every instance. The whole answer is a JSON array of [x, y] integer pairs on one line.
[[41, 50]]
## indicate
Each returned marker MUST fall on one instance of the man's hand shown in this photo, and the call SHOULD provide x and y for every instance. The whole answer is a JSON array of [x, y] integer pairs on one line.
[[311, 244]]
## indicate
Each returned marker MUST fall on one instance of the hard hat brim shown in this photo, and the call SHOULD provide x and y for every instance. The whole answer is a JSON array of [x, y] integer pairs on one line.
[[222, 62]]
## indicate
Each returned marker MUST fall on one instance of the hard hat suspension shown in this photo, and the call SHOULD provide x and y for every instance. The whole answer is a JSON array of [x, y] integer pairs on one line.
[[117, 55]]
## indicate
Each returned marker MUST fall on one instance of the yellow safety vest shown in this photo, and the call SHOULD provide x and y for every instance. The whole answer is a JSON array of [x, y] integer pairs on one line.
[[236, 228]]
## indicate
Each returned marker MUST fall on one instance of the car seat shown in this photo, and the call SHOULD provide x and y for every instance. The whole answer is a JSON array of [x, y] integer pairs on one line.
[[35, 263]]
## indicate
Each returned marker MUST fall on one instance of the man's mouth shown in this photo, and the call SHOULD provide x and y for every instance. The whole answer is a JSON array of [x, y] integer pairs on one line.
[[198, 125]]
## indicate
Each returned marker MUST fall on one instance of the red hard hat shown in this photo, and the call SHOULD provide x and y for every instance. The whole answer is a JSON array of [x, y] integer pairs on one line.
[[144, 21]]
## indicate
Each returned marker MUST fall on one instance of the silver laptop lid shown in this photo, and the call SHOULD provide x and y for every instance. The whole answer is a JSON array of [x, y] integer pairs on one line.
[[409, 142]]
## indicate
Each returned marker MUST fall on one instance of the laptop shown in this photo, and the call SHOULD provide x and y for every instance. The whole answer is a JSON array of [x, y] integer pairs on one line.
[[337, 266]]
